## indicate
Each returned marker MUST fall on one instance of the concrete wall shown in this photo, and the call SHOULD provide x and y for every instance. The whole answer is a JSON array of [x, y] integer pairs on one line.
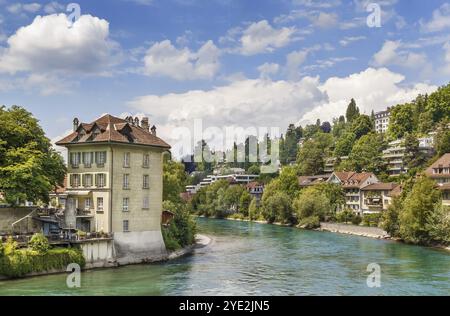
[[11, 215], [98, 253], [139, 247]]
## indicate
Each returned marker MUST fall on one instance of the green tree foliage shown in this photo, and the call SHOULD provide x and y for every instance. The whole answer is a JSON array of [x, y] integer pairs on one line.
[[366, 155], [438, 104], [442, 140], [344, 144], [254, 169], [401, 121], [290, 144], [39, 243], [244, 203], [288, 181], [311, 202], [390, 218], [413, 158], [339, 126], [174, 181], [29, 167], [253, 210], [311, 157], [276, 207], [352, 111], [418, 210], [335, 195], [182, 229], [362, 125]]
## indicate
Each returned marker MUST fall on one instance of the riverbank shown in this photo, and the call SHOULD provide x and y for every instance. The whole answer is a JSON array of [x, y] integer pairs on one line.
[[201, 241]]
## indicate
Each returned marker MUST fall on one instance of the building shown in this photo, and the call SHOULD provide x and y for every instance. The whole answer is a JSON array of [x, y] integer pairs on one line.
[[238, 178], [382, 121], [256, 190], [440, 172], [114, 184], [393, 156], [377, 197], [352, 184], [306, 181]]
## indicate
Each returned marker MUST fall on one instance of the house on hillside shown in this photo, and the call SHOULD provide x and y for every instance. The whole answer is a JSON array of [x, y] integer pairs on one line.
[[440, 172], [376, 197]]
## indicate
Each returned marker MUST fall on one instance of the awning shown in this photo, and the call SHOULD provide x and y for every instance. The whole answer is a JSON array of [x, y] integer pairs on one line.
[[78, 193]]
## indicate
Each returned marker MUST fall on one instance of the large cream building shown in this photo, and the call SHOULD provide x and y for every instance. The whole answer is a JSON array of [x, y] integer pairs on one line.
[[114, 183]]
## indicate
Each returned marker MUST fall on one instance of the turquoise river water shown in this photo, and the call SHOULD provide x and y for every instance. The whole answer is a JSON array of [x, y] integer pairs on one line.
[[256, 259]]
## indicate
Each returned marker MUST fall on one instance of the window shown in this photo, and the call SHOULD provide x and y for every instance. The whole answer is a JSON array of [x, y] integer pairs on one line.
[[126, 226], [146, 161], [146, 184], [125, 204], [100, 158], [126, 160], [75, 159], [87, 204], [75, 180], [87, 159], [126, 181], [146, 203], [100, 180], [87, 180], [100, 204]]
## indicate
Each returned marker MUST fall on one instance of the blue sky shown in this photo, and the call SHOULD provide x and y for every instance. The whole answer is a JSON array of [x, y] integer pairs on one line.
[[228, 62]]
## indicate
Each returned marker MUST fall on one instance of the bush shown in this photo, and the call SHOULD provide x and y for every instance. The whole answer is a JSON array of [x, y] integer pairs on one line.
[[23, 262], [239, 216], [371, 220], [39, 243], [10, 246], [170, 240], [356, 220], [181, 230], [311, 222]]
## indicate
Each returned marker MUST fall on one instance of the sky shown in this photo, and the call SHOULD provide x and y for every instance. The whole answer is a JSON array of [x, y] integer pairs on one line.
[[245, 63]]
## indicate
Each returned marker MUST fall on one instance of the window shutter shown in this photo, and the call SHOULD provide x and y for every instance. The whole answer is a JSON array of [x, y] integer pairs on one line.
[[96, 180], [96, 157], [104, 157], [71, 180]]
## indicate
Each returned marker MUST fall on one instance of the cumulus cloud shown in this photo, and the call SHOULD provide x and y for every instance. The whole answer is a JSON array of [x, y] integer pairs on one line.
[[258, 37], [267, 69], [439, 21], [17, 8], [50, 45], [392, 54], [164, 59], [265, 103]]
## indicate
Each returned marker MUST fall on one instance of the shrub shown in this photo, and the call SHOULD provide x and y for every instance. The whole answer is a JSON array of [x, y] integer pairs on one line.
[[181, 230], [311, 222], [23, 262], [10, 246], [371, 220], [356, 220], [344, 216], [39, 243], [169, 239]]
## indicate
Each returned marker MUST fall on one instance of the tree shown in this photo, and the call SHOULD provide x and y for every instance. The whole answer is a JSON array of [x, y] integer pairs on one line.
[[352, 111], [442, 140], [413, 158], [390, 218], [344, 145], [29, 167], [401, 121], [339, 127], [311, 202], [254, 169], [361, 126], [276, 207], [366, 154], [326, 127], [418, 209], [438, 104], [174, 180], [311, 157], [253, 211], [244, 202], [39, 243], [291, 143], [288, 181], [334, 193]]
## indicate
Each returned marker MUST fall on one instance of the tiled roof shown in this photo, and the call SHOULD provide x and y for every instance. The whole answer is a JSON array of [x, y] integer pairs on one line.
[[443, 162], [111, 129], [352, 179], [380, 187], [311, 180]]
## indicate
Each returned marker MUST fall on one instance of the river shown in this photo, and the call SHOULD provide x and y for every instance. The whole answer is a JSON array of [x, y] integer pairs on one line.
[[256, 259]]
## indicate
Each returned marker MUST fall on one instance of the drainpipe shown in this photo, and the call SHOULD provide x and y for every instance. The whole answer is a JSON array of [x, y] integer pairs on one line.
[[111, 172]]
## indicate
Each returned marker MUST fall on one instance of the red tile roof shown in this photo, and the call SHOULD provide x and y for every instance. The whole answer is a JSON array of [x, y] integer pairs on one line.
[[111, 129], [352, 179], [443, 162], [380, 187]]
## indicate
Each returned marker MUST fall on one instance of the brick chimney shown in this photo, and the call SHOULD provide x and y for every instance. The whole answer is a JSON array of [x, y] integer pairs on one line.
[[153, 130], [145, 123]]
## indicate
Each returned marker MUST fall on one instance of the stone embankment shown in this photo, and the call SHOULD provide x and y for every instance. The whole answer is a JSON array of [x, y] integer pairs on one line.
[[372, 232]]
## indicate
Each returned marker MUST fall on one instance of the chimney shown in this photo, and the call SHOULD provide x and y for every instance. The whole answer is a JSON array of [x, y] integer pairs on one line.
[[136, 121], [145, 124], [76, 123], [153, 130]]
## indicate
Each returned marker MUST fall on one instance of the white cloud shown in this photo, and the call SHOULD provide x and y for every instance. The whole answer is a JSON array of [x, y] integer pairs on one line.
[[265, 103], [392, 54], [293, 62], [54, 7], [446, 48], [268, 69], [439, 21], [17, 8], [50, 45], [373, 89], [164, 59], [325, 20], [350, 39], [317, 3], [258, 37]]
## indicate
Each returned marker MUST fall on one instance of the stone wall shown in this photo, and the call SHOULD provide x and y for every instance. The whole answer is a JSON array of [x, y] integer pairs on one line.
[[373, 232]]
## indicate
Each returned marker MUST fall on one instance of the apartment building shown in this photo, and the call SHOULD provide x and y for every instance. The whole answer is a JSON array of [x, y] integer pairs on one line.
[[115, 182], [393, 156], [440, 172], [352, 184], [382, 121], [377, 197]]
